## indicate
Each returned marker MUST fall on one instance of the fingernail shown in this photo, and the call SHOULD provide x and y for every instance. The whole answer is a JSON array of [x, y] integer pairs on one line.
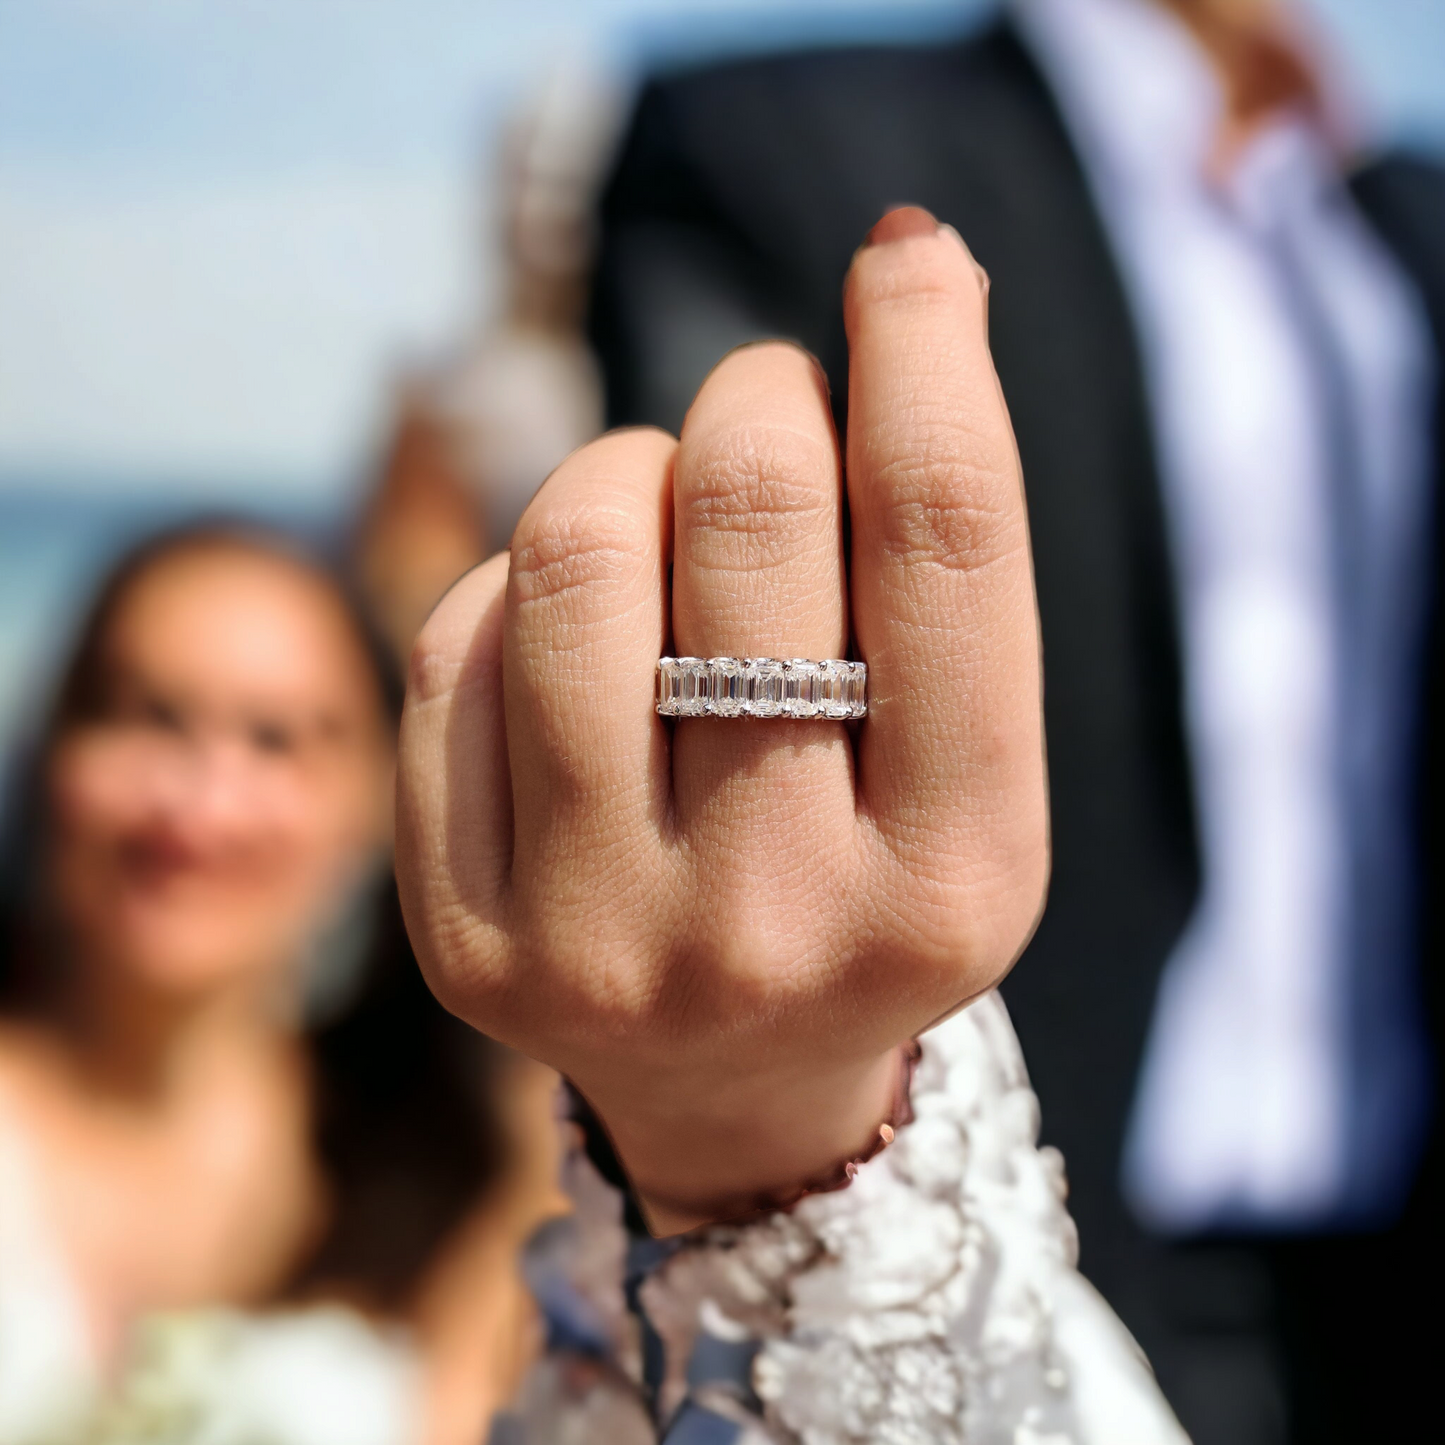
[[952, 232], [983, 281], [901, 224]]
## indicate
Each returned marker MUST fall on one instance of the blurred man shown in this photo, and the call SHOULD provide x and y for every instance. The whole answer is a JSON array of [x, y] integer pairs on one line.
[[1219, 336]]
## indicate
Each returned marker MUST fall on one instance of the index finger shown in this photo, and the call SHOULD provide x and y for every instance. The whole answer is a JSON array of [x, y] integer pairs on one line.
[[951, 756]]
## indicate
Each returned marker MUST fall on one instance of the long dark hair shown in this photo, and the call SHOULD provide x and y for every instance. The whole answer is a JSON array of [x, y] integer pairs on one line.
[[405, 1124]]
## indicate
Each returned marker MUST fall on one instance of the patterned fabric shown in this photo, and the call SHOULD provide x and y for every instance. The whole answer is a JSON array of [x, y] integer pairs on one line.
[[934, 1302]]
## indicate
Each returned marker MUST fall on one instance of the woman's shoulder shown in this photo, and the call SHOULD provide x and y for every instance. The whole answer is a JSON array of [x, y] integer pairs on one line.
[[32, 1074], [29, 1082], [46, 1369], [19, 1075]]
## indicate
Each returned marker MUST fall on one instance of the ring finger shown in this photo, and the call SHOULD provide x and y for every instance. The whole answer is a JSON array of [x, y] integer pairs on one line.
[[758, 571]]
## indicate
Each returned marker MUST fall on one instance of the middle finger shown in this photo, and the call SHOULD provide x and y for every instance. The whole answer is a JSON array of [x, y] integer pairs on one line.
[[758, 571]]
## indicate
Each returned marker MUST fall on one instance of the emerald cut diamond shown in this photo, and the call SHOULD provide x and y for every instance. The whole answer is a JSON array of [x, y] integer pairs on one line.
[[765, 677], [668, 685], [800, 688], [832, 689], [692, 687], [761, 687], [729, 690]]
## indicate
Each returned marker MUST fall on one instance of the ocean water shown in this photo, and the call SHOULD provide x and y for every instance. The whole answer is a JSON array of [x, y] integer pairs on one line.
[[57, 541]]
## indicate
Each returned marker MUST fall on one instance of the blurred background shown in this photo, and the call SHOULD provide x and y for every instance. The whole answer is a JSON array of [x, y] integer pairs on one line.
[[353, 271], [228, 232]]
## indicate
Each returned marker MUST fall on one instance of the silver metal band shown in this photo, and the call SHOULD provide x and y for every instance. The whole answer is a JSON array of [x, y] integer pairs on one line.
[[762, 687]]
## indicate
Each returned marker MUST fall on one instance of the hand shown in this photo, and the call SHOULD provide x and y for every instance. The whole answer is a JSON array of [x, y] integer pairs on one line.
[[723, 929]]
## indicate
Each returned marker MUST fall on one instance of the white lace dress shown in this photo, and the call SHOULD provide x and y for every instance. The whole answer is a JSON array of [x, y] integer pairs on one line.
[[47, 1378], [319, 1376], [935, 1301]]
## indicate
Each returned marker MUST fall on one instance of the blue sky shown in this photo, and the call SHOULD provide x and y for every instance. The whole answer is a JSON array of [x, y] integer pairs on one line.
[[224, 226]]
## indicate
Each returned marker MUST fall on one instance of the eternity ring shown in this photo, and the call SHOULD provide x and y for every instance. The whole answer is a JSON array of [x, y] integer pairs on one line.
[[761, 687]]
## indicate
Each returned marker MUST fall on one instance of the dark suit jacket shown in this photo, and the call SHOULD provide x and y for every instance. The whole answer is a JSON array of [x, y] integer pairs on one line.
[[738, 200]]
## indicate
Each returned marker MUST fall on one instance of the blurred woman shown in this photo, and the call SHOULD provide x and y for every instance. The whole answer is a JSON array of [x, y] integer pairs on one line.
[[210, 820]]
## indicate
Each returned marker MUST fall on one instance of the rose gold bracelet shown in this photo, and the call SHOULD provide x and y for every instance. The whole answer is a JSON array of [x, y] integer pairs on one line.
[[840, 1176], [604, 1157]]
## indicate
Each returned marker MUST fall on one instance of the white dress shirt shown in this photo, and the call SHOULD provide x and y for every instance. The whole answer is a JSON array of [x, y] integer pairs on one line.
[[1289, 377]]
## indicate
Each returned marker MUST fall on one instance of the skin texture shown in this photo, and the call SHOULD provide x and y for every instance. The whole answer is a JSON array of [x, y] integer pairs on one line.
[[722, 930]]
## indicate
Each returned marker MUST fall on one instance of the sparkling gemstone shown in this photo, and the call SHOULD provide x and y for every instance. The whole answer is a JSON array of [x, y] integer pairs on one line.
[[765, 686], [692, 687], [668, 683], [800, 688], [729, 691], [832, 689], [856, 690]]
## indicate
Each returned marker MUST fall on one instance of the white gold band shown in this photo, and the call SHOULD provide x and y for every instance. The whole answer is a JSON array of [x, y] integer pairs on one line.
[[761, 687]]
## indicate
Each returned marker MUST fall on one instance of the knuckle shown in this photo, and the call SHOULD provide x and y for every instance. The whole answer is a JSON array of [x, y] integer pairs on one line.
[[966, 940], [432, 668], [459, 642], [947, 958], [936, 509], [759, 487], [579, 548], [454, 991], [463, 960], [763, 953]]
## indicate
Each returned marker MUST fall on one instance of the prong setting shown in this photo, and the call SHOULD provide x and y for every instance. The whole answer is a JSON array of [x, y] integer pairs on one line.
[[765, 687]]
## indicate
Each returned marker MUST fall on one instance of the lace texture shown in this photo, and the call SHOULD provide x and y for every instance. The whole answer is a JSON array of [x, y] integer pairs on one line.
[[934, 1302]]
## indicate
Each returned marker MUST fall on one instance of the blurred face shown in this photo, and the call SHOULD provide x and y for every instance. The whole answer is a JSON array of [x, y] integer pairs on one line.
[[232, 783]]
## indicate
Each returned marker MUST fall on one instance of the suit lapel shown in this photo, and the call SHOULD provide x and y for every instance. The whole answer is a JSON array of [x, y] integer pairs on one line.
[[1404, 199]]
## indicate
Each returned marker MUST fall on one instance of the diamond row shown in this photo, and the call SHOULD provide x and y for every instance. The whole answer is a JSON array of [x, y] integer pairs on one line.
[[761, 687]]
